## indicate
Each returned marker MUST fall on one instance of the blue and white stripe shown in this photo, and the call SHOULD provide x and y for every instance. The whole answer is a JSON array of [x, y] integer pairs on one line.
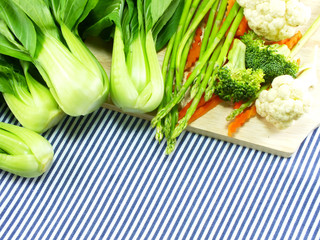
[[110, 179]]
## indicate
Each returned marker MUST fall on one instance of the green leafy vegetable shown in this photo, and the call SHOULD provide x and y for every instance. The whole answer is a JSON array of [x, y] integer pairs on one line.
[[46, 33], [24, 152], [136, 80], [29, 100]]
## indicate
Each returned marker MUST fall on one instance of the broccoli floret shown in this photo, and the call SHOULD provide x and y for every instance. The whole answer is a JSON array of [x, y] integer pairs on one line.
[[272, 59], [238, 85], [235, 82]]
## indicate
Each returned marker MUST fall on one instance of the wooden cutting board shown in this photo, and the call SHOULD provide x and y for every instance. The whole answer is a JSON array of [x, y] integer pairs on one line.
[[256, 133]]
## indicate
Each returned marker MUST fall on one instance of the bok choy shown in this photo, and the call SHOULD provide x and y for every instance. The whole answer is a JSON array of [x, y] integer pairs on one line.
[[24, 152], [29, 100], [139, 31], [45, 32]]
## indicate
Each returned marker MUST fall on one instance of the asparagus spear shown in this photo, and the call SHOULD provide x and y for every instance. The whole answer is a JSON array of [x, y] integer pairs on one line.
[[180, 94], [165, 64], [247, 104], [182, 124], [211, 30], [193, 26], [167, 125]]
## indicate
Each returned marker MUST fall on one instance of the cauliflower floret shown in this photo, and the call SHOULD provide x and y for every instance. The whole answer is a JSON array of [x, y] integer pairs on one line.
[[285, 102], [275, 20]]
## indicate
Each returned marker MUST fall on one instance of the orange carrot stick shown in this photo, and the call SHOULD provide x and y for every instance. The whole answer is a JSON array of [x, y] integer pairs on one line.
[[237, 105], [291, 42], [243, 27], [183, 111], [241, 119], [229, 6], [212, 103], [194, 51]]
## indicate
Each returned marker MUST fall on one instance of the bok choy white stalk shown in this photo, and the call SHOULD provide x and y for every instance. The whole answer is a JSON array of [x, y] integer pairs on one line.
[[45, 32], [24, 152], [29, 100], [137, 87], [136, 78]]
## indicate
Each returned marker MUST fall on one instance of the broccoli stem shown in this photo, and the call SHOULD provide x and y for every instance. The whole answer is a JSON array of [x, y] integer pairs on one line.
[[201, 63], [211, 74]]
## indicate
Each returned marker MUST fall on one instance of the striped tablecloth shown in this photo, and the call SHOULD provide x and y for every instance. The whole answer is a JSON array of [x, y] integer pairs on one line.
[[110, 179]]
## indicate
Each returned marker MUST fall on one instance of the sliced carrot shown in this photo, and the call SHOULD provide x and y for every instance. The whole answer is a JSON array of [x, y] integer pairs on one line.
[[291, 42], [194, 51], [243, 26], [237, 105], [241, 119], [183, 111], [229, 6], [212, 103]]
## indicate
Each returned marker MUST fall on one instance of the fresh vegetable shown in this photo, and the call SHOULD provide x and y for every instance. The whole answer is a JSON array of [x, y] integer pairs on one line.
[[240, 107], [193, 15], [46, 34], [273, 59], [305, 37], [29, 100], [24, 152], [241, 119], [275, 20], [194, 52], [235, 81], [216, 51], [206, 107], [289, 98], [291, 42], [296, 42], [243, 26], [202, 108], [136, 80]]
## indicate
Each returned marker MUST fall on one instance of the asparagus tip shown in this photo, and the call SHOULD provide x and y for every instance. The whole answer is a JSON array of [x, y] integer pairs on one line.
[[171, 143], [181, 126], [159, 133], [208, 94]]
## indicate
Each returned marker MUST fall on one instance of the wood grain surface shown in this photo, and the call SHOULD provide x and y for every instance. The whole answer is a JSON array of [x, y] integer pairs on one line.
[[256, 133]]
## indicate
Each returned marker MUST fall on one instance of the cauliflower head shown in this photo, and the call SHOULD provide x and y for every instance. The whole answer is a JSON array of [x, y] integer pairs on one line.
[[275, 20], [284, 103]]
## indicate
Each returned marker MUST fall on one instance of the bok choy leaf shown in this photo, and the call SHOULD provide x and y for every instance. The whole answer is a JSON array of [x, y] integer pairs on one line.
[[29, 100], [136, 78], [24, 152], [46, 33]]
